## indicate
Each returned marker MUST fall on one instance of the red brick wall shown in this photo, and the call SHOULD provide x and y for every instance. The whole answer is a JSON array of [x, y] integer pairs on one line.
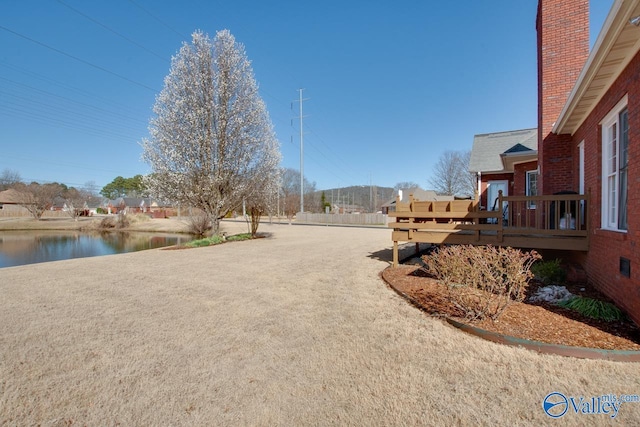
[[602, 263], [563, 48], [558, 172], [520, 177]]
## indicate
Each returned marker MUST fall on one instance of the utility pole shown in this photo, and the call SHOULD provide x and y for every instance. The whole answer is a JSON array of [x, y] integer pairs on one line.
[[301, 152]]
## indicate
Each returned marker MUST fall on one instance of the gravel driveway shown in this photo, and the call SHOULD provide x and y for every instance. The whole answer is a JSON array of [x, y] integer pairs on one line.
[[293, 329]]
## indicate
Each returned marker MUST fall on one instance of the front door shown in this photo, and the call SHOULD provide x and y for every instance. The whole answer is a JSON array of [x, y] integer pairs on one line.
[[493, 187]]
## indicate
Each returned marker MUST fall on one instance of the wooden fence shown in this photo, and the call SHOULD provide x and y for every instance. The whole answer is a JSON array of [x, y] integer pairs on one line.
[[365, 219]]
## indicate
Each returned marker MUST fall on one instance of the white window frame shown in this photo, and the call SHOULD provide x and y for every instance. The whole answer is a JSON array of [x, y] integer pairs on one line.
[[581, 189], [611, 167], [531, 204]]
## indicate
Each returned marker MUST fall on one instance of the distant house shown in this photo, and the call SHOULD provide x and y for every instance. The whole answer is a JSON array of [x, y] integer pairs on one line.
[[96, 203], [59, 204], [130, 205], [142, 205], [506, 161], [417, 193], [9, 203]]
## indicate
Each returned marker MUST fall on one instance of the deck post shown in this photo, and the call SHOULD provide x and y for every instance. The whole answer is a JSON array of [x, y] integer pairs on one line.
[[395, 253]]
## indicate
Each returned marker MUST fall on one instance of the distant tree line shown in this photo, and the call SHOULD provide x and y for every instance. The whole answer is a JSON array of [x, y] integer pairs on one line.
[[125, 187], [38, 198]]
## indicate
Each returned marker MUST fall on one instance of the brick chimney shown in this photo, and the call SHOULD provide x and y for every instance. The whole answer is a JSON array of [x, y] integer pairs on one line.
[[563, 48]]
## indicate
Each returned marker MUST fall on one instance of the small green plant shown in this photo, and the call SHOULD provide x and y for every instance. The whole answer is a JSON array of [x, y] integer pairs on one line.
[[593, 308], [239, 237], [207, 241], [549, 272], [216, 240]]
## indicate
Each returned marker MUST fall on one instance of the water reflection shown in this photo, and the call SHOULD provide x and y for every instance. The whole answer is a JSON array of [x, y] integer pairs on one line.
[[28, 247]]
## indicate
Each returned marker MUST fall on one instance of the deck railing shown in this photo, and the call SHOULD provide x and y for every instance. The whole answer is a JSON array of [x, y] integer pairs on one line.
[[559, 214], [558, 221]]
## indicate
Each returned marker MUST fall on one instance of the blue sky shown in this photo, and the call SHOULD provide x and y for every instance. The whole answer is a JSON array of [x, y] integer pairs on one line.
[[390, 85]]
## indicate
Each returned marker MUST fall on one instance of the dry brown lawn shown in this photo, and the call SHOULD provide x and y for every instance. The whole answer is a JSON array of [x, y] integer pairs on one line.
[[293, 329]]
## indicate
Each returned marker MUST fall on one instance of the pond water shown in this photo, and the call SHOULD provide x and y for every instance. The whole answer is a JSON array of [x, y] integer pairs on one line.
[[29, 247]]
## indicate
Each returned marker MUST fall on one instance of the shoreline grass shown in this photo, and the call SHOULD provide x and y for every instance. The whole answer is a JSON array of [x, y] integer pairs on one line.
[[217, 239]]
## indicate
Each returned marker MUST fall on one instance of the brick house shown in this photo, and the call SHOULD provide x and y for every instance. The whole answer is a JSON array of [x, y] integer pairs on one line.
[[505, 161], [588, 134]]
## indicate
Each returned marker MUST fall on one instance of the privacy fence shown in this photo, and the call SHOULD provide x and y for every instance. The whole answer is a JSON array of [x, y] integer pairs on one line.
[[341, 219]]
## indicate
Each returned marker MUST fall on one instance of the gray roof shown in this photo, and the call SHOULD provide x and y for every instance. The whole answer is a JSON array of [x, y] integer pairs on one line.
[[10, 196], [132, 202], [488, 148]]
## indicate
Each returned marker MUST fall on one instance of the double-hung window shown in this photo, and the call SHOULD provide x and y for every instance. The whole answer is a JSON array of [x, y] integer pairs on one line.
[[615, 161]]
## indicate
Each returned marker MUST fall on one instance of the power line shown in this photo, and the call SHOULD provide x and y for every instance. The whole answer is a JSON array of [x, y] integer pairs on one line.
[[83, 104], [57, 122], [159, 20], [84, 15], [68, 88], [68, 55]]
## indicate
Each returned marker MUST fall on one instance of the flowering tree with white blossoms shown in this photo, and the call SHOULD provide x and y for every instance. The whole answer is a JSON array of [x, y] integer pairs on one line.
[[211, 141]]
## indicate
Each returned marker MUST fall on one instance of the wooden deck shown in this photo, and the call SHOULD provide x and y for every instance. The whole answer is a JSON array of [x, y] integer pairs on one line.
[[538, 222]]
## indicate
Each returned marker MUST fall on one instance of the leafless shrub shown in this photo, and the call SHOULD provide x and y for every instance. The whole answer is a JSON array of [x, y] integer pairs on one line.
[[200, 224], [108, 222], [115, 221], [123, 220], [482, 280]]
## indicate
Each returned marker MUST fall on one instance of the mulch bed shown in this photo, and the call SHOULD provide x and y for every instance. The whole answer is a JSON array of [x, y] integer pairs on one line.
[[538, 321]]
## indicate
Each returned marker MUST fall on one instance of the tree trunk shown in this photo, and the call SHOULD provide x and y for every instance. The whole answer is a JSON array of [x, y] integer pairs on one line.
[[255, 221], [215, 225]]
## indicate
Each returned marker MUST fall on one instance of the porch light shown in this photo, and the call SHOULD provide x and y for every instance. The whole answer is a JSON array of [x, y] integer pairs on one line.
[[635, 21]]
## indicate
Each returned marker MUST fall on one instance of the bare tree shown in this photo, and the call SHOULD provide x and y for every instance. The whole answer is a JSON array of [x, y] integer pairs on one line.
[[75, 202], [9, 178], [91, 188], [262, 200], [290, 192], [469, 183], [405, 185], [262, 192], [38, 198], [212, 132], [451, 175]]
